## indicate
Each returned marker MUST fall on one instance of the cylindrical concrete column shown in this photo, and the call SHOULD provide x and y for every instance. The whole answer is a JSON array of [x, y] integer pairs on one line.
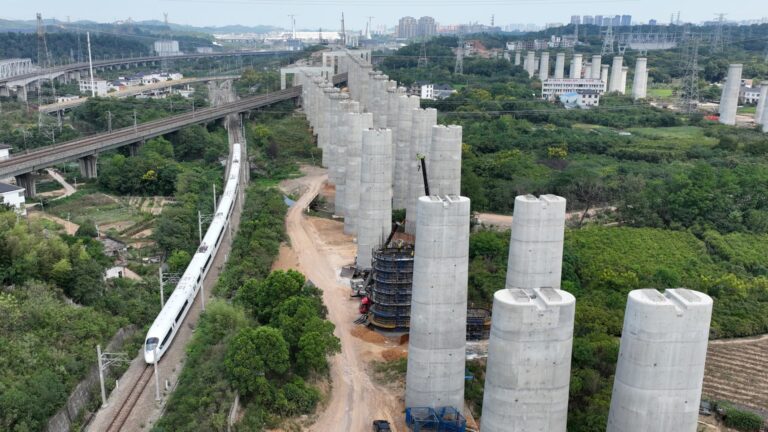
[[576, 66], [597, 64], [356, 124], [640, 83], [560, 66], [436, 349], [330, 156], [375, 221], [604, 76], [324, 134], [421, 142], [615, 83], [339, 148], [380, 102], [517, 58], [624, 74], [529, 361], [536, 242], [544, 66], [729, 100], [406, 105], [530, 63], [760, 110], [444, 160], [659, 375]]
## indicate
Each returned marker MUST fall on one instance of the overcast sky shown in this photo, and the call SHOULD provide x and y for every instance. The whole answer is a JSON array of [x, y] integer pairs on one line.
[[312, 14]]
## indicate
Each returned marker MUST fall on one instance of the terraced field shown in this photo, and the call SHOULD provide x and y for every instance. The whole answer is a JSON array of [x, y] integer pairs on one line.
[[737, 371]]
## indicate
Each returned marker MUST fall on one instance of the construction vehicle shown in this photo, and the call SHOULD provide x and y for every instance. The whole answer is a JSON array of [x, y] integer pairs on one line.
[[381, 426]]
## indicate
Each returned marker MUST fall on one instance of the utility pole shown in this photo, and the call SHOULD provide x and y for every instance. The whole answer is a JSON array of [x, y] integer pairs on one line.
[[136, 123], [90, 63], [105, 359], [343, 32], [157, 377], [109, 121], [214, 199], [162, 294]]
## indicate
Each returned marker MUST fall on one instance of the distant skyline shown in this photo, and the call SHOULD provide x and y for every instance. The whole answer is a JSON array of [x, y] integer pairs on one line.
[[312, 14]]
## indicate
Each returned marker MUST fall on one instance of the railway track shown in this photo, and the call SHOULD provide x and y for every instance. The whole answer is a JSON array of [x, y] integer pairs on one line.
[[130, 402]]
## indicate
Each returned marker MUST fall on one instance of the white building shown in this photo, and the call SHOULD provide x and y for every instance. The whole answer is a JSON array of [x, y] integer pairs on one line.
[[553, 87], [167, 48], [67, 98], [436, 91], [749, 95], [100, 86], [5, 151], [13, 196], [583, 100]]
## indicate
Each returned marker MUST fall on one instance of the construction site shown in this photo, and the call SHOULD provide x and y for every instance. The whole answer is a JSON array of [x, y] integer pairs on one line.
[[384, 153]]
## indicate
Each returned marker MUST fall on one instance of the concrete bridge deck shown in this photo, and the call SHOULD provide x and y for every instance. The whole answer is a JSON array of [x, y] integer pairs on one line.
[[21, 164]]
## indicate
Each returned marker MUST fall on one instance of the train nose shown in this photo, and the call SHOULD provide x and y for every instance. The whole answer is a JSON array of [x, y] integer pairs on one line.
[[149, 357]]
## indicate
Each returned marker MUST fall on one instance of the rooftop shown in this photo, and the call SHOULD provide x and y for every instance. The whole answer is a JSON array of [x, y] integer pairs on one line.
[[5, 187]]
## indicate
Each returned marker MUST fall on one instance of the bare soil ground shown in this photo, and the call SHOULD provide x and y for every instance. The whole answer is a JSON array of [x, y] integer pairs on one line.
[[69, 227], [505, 221], [322, 250], [736, 372]]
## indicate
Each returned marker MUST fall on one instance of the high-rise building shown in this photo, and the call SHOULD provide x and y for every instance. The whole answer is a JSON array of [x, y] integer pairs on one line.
[[575, 19], [616, 21], [653, 22], [598, 20], [588, 19], [626, 20], [427, 26], [407, 27]]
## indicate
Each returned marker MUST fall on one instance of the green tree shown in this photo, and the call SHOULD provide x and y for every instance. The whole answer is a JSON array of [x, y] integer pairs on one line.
[[315, 345], [262, 298], [254, 356], [178, 261], [87, 229]]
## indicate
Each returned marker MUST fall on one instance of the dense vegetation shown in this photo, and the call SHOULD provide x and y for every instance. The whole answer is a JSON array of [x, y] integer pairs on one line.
[[265, 345], [55, 309]]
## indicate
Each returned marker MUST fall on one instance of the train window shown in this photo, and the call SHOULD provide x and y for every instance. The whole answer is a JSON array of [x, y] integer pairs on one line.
[[151, 344], [165, 339], [208, 261], [219, 238], [181, 312]]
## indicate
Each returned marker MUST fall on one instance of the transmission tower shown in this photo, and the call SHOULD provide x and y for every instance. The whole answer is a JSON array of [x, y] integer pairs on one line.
[[423, 62], [458, 69], [689, 95], [608, 40], [718, 44], [44, 62]]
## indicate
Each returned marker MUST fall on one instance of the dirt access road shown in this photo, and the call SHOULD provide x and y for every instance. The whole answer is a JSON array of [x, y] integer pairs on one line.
[[355, 399]]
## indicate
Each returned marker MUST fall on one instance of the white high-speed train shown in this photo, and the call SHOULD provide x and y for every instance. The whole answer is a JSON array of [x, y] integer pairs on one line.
[[172, 315]]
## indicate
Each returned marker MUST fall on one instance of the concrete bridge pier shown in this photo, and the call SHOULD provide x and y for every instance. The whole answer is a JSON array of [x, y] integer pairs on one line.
[[27, 181], [5, 92], [88, 166], [133, 149], [21, 93]]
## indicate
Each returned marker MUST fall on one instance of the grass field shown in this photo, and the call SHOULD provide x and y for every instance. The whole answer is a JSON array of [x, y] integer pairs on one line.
[[98, 207], [661, 93], [747, 109], [674, 137]]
